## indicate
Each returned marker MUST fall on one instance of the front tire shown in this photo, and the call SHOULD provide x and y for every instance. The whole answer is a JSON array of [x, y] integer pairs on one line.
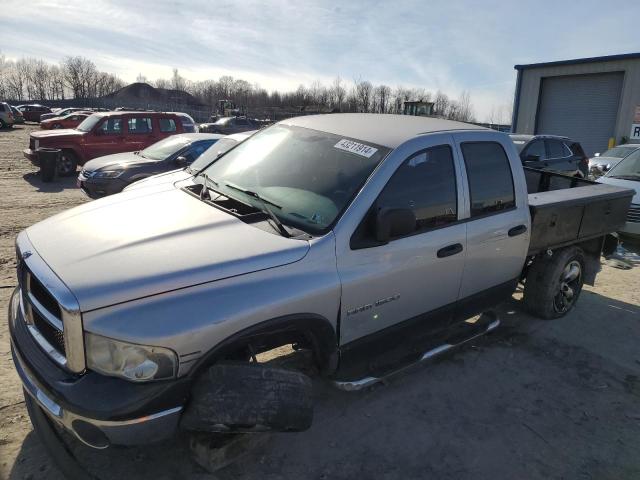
[[554, 283], [68, 163]]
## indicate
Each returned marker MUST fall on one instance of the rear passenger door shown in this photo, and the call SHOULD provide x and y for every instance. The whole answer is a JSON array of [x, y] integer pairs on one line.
[[497, 222], [140, 133]]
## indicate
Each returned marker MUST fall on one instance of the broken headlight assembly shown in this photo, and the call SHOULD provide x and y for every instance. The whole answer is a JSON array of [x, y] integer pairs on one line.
[[136, 363]]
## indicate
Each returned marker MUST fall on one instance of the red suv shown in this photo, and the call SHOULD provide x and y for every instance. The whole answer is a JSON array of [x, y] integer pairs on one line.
[[107, 133]]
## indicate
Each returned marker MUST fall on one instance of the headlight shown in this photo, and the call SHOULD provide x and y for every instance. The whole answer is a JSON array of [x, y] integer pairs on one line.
[[108, 173], [138, 363]]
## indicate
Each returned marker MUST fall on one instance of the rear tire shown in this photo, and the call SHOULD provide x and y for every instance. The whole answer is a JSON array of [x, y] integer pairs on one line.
[[554, 283], [68, 163]]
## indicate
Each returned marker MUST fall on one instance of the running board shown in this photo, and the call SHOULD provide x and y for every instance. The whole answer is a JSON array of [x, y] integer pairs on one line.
[[355, 385]]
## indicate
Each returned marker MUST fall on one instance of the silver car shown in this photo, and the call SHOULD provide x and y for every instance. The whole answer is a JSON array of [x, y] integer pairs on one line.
[[6, 116], [601, 163]]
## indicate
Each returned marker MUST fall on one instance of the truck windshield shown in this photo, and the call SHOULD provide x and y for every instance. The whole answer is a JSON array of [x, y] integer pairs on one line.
[[88, 123], [165, 148], [310, 175]]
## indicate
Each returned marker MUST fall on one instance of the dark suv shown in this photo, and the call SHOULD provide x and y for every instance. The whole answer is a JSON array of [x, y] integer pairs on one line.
[[552, 152]]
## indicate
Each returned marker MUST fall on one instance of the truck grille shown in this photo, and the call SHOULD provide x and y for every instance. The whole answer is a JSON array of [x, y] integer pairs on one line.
[[633, 215], [43, 313]]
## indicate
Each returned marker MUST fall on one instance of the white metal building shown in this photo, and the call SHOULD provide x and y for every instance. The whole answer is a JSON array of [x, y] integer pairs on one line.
[[591, 100]]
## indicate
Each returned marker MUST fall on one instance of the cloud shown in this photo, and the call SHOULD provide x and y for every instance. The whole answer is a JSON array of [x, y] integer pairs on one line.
[[451, 46]]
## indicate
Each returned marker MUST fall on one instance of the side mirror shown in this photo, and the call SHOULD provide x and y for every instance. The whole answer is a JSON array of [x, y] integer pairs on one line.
[[596, 154], [394, 222], [180, 161], [532, 158]]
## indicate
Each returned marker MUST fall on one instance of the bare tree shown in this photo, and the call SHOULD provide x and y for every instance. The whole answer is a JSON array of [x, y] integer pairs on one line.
[[382, 95], [441, 104], [337, 93], [363, 91]]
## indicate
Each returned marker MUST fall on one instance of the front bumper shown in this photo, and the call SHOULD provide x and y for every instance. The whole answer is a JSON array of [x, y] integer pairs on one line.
[[100, 187], [31, 155], [98, 410]]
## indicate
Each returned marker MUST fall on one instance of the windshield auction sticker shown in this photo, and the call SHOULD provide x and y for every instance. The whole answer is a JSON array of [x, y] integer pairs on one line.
[[355, 147]]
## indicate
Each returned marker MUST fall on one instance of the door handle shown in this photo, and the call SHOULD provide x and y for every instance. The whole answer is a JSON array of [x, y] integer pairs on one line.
[[449, 250], [519, 230]]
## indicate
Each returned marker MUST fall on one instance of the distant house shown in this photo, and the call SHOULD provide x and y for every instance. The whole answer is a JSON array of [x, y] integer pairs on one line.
[[419, 108], [145, 96]]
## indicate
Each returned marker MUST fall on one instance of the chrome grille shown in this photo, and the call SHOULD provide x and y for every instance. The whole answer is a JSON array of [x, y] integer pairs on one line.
[[633, 215], [43, 315]]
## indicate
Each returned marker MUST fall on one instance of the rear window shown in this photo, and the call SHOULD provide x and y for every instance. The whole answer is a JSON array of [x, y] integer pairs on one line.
[[557, 149], [490, 177], [4, 107], [167, 125]]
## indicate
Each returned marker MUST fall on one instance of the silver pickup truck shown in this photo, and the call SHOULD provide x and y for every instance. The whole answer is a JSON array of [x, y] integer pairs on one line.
[[367, 241]]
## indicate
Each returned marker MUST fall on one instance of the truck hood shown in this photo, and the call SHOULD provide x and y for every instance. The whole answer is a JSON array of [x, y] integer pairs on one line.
[[126, 159], [63, 132], [142, 243]]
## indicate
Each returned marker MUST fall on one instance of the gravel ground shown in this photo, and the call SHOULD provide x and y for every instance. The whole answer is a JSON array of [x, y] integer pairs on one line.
[[535, 399]]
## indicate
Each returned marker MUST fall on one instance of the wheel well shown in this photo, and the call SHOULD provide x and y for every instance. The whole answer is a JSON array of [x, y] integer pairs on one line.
[[307, 331]]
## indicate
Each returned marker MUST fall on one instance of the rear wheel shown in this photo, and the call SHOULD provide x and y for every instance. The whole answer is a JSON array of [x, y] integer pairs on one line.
[[57, 125], [554, 283], [68, 163]]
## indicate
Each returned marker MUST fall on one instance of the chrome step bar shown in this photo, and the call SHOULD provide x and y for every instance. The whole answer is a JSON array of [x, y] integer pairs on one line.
[[355, 385]]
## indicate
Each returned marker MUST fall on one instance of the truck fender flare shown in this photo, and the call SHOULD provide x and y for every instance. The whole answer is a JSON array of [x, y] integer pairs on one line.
[[313, 328]]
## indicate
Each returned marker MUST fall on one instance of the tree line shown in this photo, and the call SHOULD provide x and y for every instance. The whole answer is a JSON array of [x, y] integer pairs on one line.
[[342, 96], [77, 77], [37, 80]]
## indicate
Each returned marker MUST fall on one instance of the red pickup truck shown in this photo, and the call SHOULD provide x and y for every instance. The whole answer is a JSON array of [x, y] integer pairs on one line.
[[106, 133]]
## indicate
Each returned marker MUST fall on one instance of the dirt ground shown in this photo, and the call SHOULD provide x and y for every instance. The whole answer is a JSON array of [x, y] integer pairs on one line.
[[535, 399]]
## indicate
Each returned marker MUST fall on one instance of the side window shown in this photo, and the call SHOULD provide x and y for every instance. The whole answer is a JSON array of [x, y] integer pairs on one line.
[[569, 151], [110, 126], [167, 125], [556, 149], [425, 183], [490, 177], [536, 148], [139, 125]]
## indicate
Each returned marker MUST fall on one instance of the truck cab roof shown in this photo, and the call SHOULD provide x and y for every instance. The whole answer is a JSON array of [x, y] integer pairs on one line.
[[381, 129]]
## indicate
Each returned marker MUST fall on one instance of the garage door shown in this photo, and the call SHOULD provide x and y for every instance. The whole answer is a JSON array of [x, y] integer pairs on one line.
[[582, 107]]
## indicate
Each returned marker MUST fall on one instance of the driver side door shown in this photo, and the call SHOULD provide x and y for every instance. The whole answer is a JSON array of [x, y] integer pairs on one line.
[[408, 287]]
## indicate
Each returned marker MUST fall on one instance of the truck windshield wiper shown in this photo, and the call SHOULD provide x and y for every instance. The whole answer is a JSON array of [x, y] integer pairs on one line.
[[205, 184], [633, 176], [280, 227]]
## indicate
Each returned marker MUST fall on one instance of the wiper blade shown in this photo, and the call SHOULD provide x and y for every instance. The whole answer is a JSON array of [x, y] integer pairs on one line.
[[205, 184], [281, 228], [626, 177]]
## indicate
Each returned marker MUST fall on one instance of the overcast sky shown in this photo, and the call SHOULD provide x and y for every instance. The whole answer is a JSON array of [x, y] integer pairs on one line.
[[449, 45]]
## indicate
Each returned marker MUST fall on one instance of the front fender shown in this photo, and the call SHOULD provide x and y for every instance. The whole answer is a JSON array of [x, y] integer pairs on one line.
[[197, 321]]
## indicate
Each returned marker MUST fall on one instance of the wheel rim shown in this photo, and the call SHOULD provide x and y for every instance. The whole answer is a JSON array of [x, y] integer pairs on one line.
[[65, 165], [57, 125], [570, 285]]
